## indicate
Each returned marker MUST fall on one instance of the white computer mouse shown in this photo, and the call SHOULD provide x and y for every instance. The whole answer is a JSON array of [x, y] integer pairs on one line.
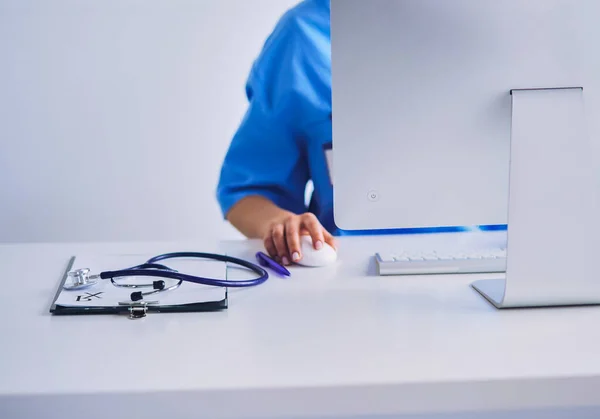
[[326, 255]]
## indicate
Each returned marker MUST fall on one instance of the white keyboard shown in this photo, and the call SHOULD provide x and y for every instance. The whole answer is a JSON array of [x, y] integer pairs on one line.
[[435, 262]]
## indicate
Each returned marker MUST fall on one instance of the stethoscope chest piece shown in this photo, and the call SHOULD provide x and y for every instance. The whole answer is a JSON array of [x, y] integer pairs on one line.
[[79, 279]]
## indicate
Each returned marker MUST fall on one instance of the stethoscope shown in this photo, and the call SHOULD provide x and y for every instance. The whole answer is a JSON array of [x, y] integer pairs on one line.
[[81, 278]]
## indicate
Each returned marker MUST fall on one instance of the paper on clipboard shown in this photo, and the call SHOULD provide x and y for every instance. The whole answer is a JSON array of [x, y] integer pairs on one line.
[[105, 294]]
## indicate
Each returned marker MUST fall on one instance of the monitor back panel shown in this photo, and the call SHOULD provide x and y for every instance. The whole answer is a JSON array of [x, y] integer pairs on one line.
[[421, 101]]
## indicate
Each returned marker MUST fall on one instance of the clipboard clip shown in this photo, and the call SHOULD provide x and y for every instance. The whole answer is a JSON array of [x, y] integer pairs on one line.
[[137, 309]]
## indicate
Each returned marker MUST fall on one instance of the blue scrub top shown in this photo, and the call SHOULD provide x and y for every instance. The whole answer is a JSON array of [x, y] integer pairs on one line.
[[279, 145], [282, 140]]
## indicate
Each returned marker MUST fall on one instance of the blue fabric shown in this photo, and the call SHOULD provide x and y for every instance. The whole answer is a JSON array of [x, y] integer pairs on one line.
[[279, 145]]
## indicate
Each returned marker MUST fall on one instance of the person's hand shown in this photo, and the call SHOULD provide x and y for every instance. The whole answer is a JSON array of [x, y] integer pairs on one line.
[[282, 236]]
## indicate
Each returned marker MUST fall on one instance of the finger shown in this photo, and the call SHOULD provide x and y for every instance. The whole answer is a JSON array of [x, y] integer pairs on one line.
[[292, 235], [278, 235], [270, 247], [329, 239], [315, 229]]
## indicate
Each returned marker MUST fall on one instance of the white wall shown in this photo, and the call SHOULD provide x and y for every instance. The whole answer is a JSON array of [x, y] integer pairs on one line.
[[115, 114]]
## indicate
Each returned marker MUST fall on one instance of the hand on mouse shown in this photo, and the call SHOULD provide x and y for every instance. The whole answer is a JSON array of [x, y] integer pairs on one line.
[[282, 237]]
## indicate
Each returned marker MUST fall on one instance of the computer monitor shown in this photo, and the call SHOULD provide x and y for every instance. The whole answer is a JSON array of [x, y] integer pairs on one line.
[[422, 105]]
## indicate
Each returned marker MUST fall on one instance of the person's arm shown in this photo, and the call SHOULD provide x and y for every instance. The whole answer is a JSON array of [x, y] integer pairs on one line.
[[263, 179], [253, 215], [258, 217]]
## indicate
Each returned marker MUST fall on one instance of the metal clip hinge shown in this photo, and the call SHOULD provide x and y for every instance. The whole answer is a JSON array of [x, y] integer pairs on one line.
[[137, 311]]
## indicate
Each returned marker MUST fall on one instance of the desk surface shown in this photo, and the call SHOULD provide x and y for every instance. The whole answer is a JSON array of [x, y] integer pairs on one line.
[[336, 341]]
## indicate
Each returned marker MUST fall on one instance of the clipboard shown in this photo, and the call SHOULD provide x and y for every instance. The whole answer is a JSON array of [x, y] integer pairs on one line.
[[105, 298]]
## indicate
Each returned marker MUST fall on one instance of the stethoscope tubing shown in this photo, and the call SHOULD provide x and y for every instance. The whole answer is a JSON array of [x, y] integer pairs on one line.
[[152, 269]]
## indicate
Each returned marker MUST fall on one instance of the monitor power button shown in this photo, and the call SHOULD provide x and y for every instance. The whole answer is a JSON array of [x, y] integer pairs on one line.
[[373, 196]]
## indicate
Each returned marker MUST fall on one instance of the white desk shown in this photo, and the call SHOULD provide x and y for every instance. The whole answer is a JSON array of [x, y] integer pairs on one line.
[[327, 343]]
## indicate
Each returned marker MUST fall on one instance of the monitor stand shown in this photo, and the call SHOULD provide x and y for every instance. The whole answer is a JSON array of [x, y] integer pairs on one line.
[[552, 247]]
